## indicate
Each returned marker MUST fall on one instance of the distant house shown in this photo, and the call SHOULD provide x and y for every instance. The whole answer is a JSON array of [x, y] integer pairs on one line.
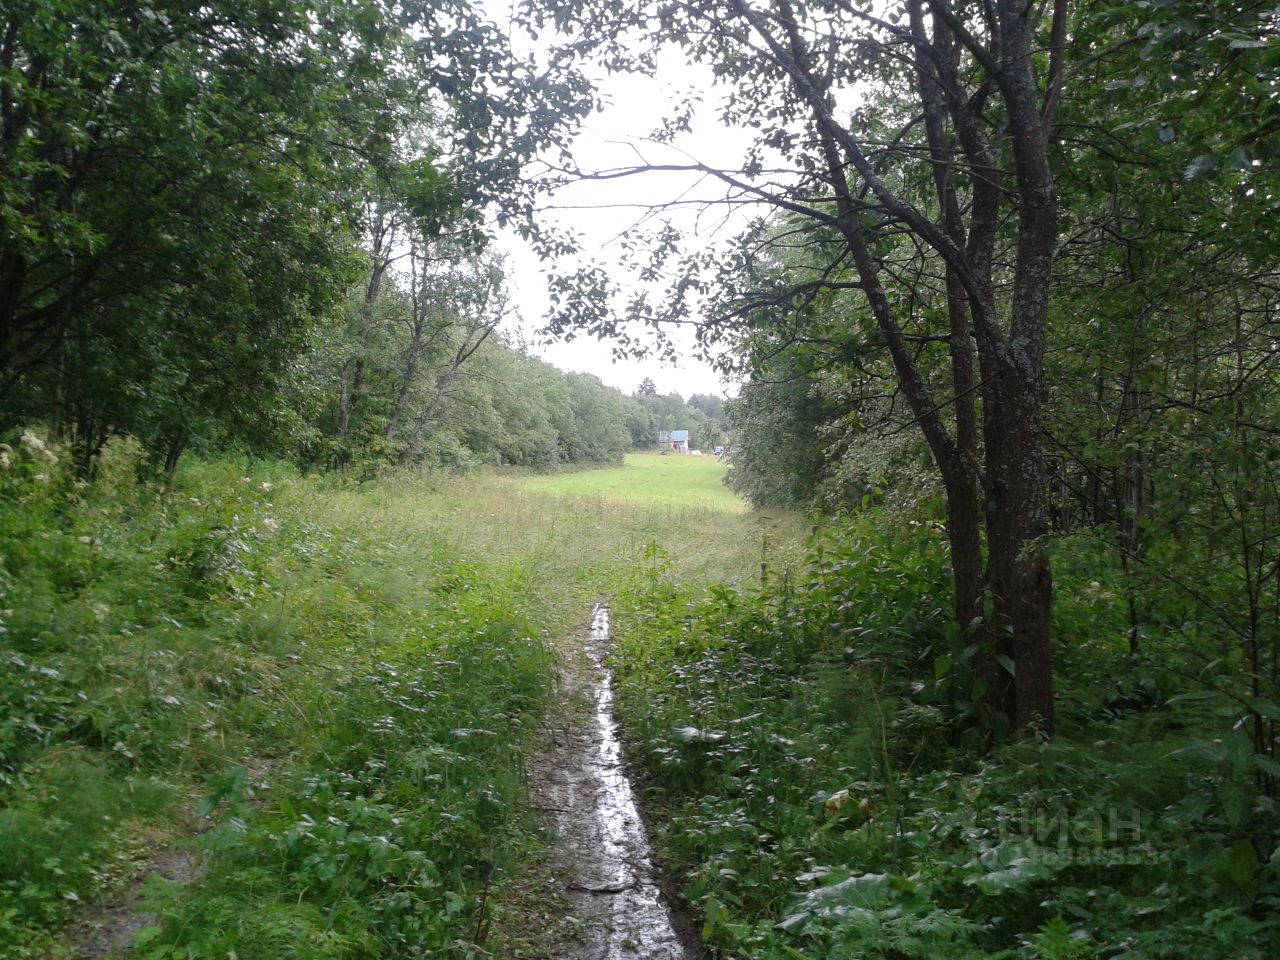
[[677, 440]]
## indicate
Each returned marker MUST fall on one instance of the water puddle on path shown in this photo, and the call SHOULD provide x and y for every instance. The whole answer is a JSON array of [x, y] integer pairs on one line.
[[601, 841]]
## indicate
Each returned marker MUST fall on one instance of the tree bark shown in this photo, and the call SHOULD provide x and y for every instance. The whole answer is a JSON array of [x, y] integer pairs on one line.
[[1018, 562]]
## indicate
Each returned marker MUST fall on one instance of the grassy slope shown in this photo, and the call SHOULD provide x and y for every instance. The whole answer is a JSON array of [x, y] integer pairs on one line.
[[345, 680]]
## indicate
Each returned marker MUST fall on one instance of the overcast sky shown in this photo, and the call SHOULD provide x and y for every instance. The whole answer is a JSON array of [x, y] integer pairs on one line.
[[601, 213]]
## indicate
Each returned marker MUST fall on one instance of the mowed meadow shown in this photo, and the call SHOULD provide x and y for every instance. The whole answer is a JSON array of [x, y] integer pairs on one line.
[[679, 485], [288, 716]]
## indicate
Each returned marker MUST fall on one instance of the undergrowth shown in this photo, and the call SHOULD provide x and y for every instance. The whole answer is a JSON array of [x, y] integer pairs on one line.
[[821, 790], [322, 692], [334, 722]]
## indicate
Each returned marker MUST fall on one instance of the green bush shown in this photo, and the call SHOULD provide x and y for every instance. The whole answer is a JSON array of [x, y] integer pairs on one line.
[[806, 751]]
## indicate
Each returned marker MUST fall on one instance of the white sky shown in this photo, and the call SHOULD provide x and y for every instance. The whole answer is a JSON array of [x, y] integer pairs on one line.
[[600, 212]]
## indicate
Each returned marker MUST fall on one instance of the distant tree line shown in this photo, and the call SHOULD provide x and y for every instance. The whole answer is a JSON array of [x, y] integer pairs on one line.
[[415, 368], [702, 415]]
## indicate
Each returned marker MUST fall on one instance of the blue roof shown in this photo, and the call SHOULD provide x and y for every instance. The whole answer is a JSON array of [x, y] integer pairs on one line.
[[680, 435]]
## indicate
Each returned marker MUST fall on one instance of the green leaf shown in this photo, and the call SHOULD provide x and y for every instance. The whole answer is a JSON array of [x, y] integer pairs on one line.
[[1241, 863], [1201, 165], [1266, 708], [714, 915], [1267, 765], [1017, 875], [978, 690], [792, 922], [1194, 695], [696, 735]]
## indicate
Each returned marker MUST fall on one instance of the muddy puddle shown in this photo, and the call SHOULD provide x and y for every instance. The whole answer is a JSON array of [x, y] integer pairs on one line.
[[601, 846]]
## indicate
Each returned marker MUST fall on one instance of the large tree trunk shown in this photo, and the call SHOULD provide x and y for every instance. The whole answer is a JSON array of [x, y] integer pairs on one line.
[[1018, 518], [969, 581], [1018, 561]]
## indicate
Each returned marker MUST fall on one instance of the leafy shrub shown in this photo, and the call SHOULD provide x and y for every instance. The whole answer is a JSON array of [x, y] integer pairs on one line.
[[802, 748]]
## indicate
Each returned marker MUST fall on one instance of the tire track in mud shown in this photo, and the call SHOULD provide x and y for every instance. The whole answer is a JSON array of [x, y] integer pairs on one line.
[[601, 847]]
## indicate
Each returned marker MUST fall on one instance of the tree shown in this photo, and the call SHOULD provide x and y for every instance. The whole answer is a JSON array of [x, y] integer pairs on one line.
[[1165, 401], [711, 406], [158, 236], [647, 388], [936, 200], [183, 186]]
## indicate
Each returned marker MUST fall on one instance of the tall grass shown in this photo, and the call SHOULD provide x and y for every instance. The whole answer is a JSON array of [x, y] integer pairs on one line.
[[660, 480], [329, 691], [572, 534]]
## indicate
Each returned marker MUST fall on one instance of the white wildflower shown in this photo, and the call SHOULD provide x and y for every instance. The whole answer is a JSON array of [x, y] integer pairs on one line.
[[271, 525], [29, 439], [100, 611], [265, 487], [5, 462], [41, 478], [49, 456]]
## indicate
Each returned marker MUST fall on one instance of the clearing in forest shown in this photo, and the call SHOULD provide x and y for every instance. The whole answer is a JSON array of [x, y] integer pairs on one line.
[[652, 478], [265, 675]]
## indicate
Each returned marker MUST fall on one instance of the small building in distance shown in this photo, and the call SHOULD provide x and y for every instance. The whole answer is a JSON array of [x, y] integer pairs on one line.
[[676, 440]]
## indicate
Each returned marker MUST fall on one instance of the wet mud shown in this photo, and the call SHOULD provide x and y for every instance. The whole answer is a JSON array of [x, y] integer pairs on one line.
[[601, 848]]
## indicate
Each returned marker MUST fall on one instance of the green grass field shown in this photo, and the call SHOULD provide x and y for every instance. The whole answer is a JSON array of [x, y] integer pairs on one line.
[[253, 645], [579, 529], [652, 479]]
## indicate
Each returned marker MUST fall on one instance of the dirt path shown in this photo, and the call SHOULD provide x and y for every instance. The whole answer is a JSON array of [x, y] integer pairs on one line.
[[107, 930], [601, 866], [601, 850]]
